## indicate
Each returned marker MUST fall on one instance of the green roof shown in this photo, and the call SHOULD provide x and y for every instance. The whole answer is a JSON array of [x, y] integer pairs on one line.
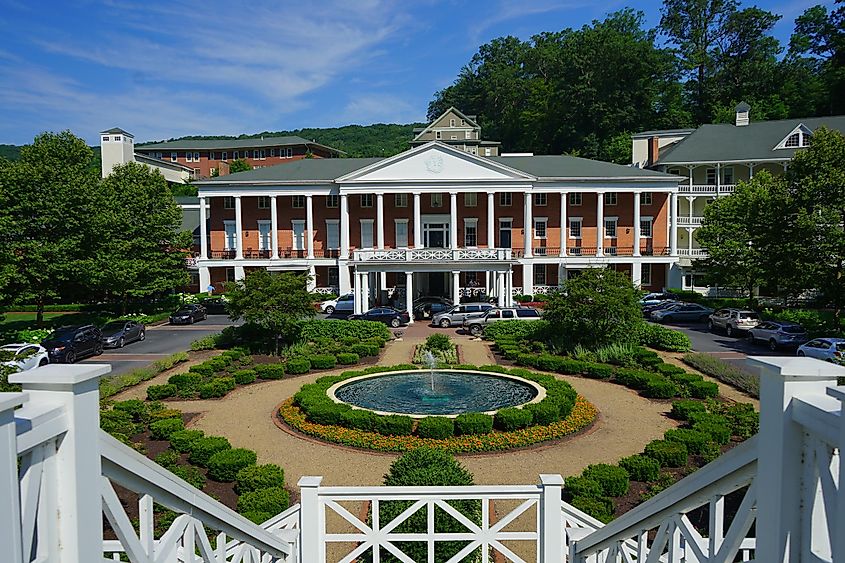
[[726, 142], [303, 170], [230, 144], [552, 166]]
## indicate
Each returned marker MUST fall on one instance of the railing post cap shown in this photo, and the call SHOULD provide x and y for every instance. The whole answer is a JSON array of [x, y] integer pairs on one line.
[[309, 481], [60, 375], [551, 479], [9, 401], [796, 368], [837, 392]]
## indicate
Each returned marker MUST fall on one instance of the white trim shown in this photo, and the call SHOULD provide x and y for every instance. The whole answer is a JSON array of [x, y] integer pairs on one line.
[[329, 223], [371, 223], [803, 134], [545, 221], [580, 222]]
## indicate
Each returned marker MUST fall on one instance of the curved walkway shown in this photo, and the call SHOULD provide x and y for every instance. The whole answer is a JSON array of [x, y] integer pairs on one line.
[[626, 424]]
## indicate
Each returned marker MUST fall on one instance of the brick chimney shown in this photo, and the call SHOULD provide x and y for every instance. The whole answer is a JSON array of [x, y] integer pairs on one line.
[[653, 150]]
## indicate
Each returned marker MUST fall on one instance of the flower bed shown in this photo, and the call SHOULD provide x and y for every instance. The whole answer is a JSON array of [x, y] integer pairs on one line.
[[441, 347]]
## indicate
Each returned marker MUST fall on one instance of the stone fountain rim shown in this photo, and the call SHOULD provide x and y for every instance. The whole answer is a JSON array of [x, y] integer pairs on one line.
[[541, 391]]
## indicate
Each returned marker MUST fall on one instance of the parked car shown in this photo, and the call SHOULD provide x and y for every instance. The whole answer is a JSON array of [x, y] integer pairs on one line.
[[660, 305], [343, 304], [188, 314], [778, 334], [689, 312], [475, 325], [70, 343], [214, 305], [429, 310], [456, 315], [655, 298], [116, 334], [387, 315], [25, 356], [827, 349], [733, 320]]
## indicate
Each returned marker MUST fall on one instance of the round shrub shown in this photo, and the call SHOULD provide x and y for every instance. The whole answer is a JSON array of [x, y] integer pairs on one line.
[[181, 440], [158, 392], [598, 371], [719, 433], [245, 376], [270, 371], [257, 517], [581, 486], [203, 448], [270, 501], [599, 508], [668, 454], [297, 366], [359, 420], [215, 389], [711, 452], [681, 410], [543, 413], [257, 477], [225, 464], [743, 419], [394, 425], [614, 480], [167, 459], [669, 370], [322, 361], [660, 388], [436, 427], [438, 342], [364, 349], [234, 353], [634, 378], [473, 423], [189, 473], [162, 429], [512, 418], [347, 358], [327, 413], [640, 467], [203, 369], [245, 360], [135, 408], [694, 440], [164, 414], [703, 389]]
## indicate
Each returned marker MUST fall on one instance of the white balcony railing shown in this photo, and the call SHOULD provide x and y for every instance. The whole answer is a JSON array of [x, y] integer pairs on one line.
[[693, 252], [687, 221], [706, 188], [433, 255]]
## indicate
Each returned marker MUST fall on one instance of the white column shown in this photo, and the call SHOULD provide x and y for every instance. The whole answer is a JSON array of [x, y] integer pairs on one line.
[[718, 178], [311, 520], [509, 289], [344, 226], [453, 220], [637, 274], [750, 170], [551, 519], [11, 539], [356, 290], [274, 228], [500, 288], [76, 497], [203, 231], [365, 291], [309, 224], [456, 287], [779, 499], [239, 225], [599, 223], [417, 220], [487, 290], [205, 278], [409, 295], [528, 223], [343, 281], [637, 234], [528, 278], [239, 273], [673, 224], [491, 220], [564, 239], [312, 278], [380, 221]]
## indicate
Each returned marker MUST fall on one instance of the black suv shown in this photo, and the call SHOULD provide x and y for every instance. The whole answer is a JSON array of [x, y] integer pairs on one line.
[[70, 343]]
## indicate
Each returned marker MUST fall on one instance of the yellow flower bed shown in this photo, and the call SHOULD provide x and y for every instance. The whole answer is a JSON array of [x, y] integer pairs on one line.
[[583, 414]]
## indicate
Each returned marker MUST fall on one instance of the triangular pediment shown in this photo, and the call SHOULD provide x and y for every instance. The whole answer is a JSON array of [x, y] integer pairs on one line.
[[795, 139], [435, 162]]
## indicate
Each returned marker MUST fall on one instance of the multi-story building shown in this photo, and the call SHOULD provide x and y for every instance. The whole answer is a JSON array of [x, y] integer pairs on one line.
[[118, 147], [711, 160], [212, 157], [457, 130], [436, 220]]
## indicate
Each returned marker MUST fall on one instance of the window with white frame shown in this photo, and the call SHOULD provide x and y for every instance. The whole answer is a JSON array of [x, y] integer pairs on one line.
[[505, 199], [728, 175], [228, 202], [575, 227], [367, 233], [437, 200], [298, 201], [645, 227], [289, 153], [263, 202], [230, 274], [334, 276], [711, 176], [467, 134], [236, 155], [174, 156], [471, 232], [576, 198], [332, 234], [189, 157], [646, 198], [505, 232], [262, 155], [541, 200], [105, 139], [196, 171], [366, 200], [332, 200], [272, 152], [540, 227], [438, 135], [401, 226], [224, 155], [255, 154], [451, 123], [400, 200], [212, 172], [231, 242], [645, 277], [611, 198], [470, 199], [473, 150], [117, 137], [264, 235], [540, 274], [196, 157], [610, 226], [488, 152]]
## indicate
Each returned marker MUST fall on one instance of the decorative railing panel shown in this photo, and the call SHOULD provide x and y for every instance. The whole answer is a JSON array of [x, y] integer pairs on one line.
[[706, 188], [693, 252], [433, 255], [687, 221]]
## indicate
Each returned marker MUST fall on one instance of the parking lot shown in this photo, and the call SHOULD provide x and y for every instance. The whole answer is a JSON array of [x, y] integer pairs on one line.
[[731, 349]]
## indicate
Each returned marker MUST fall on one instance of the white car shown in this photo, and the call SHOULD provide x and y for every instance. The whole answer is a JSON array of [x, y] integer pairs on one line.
[[26, 356], [828, 349], [343, 304]]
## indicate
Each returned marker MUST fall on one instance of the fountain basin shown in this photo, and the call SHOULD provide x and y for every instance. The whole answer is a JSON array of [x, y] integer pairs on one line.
[[409, 392]]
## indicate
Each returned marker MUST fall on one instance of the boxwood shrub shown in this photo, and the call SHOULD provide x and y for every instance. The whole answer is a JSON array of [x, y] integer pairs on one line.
[[162, 429], [614, 480], [694, 440], [743, 419], [394, 425], [600, 508], [224, 465], [473, 423], [204, 369], [436, 427], [512, 418], [545, 412], [681, 410], [135, 408], [598, 371], [364, 349], [703, 389], [668, 454], [322, 361], [719, 433], [203, 448], [269, 371], [660, 388], [158, 392], [245, 376], [359, 419], [297, 366], [337, 330], [327, 413], [165, 413], [640, 467], [272, 500], [580, 486], [190, 474], [347, 358], [257, 477], [187, 380], [181, 440], [213, 389]]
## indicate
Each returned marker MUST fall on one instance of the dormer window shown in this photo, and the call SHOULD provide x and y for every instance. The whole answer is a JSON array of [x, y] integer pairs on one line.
[[799, 138], [793, 140], [106, 139], [117, 137]]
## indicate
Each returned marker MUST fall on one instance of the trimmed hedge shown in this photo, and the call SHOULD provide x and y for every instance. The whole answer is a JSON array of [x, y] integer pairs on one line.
[[394, 425], [182, 440], [694, 440], [158, 392], [704, 389], [682, 410], [322, 361], [339, 329], [580, 486], [269, 371], [641, 468], [660, 388], [662, 338], [162, 429], [245, 376], [272, 500], [599, 508], [668, 454], [224, 465], [614, 480], [296, 366], [436, 427], [719, 433], [512, 418], [203, 448], [257, 477], [189, 473], [473, 423], [349, 358], [214, 389]]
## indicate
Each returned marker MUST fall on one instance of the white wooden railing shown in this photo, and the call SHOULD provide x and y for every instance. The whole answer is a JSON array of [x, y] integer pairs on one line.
[[693, 252], [432, 255], [706, 188], [687, 221]]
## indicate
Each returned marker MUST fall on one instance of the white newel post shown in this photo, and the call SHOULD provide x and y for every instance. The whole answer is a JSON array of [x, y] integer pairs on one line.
[[409, 296], [417, 220], [309, 224], [453, 221], [637, 234], [274, 227], [203, 232], [599, 223], [491, 220], [673, 224], [11, 536], [456, 287], [528, 223], [380, 221], [79, 510], [779, 478], [344, 226], [311, 521], [239, 228], [564, 240], [551, 519]]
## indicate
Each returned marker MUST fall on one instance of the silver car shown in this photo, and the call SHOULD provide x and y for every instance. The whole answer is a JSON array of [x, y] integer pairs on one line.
[[778, 334], [456, 315], [475, 325], [827, 349], [733, 320]]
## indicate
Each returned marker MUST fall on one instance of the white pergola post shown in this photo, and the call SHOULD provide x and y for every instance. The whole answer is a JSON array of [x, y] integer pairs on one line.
[[76, 497], [11, 534], [380, 221], [500, 288], [456, 286], [274, 227], [309, 224], [409, 296], [365, 292], [311, 521], [551, 519], [528, 279], [344, 226], [564, 240], [417, 220], [509, 289], [203, 230], [637, 273], [599, 223], [528, 223], [673, 224], [239, 225], [453, 220], [356, 290], [491, 220], [637, 233], [718, 178]]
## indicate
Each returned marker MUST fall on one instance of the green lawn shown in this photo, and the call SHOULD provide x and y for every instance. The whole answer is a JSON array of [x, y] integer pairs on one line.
[[26, 319]]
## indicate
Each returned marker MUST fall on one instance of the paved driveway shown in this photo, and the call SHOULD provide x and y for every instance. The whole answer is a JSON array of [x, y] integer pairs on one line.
[[728, 348]]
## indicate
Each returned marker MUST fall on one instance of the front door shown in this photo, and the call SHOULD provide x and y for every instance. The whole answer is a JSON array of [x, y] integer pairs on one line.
[[437, 284], [299, 235], [436, 235], [231, 239], [264, 235], [505, 226]]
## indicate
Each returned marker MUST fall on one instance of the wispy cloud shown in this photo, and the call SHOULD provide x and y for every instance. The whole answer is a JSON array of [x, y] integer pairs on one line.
[[506, 10]]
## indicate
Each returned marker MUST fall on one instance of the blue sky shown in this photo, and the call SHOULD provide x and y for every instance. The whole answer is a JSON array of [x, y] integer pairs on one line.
[[172, 68]]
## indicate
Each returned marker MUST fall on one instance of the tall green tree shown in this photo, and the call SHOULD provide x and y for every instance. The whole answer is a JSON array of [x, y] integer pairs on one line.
[[239, 165], [143, 246], [819, 42], [49, 203]]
